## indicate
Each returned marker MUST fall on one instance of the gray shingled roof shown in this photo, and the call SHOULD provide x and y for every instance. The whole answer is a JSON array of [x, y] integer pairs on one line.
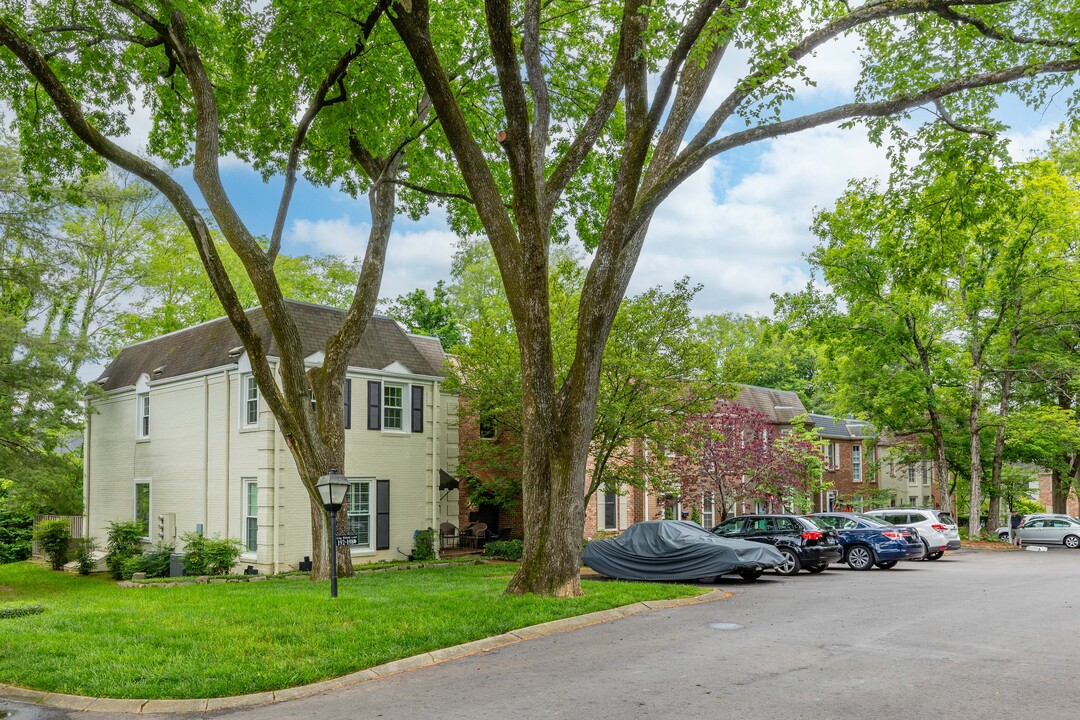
[[779, 406], [829, 426], [207, 345]]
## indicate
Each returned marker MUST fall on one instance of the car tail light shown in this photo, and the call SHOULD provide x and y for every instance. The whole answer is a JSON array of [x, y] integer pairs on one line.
[[940, 528], [893, 534], [813, 535]]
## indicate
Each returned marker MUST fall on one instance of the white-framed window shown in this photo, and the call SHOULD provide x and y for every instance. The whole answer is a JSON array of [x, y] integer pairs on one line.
[[359, 503], [142, 415], [141, 510], [251, 515], [393, 410], [832, 458], [708, 512], [856, 463], [912, 477], [927, 473], [249, 401], [913, 500], [830, 500]]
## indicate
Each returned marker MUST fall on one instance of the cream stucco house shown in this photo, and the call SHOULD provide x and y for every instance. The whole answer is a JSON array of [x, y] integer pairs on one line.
[[182, 441]]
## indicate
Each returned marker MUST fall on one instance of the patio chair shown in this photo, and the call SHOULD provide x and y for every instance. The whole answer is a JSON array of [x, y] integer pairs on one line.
[[448, 535]]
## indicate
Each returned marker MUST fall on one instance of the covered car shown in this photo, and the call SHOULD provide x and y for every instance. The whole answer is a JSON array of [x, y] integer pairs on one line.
[[677, 550]]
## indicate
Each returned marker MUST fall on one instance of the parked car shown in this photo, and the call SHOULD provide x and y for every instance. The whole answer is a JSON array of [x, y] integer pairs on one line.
[[1003, 531], [1047, 530], [869, 541], [937, 529], [805, 545], [677, 550]]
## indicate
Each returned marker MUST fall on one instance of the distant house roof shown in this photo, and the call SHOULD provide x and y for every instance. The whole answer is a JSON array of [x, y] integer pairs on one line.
[[779, 406], [209, 344], [846, 428]]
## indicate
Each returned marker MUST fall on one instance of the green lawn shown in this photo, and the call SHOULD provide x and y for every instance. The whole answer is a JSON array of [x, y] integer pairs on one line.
[[215, 640]]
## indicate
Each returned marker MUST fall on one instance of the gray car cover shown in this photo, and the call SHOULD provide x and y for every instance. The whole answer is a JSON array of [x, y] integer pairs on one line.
[[675, 550]]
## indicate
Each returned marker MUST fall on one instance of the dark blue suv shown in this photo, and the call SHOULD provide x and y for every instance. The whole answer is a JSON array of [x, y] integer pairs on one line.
[[870, 541]]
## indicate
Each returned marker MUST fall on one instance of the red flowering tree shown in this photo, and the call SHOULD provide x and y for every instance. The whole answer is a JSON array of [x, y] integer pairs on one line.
[[734, 453]]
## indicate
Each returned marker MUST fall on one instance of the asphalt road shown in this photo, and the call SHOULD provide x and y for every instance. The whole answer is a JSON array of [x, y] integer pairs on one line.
[[973, 635]]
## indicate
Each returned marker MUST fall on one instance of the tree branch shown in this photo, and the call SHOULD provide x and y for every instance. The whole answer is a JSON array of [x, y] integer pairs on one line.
[[689, 163], [336, 76]]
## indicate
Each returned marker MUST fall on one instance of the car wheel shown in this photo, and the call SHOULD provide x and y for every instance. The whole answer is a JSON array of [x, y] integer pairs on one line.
[[887, 565], [1003, 536], [815, 569], [791, 564], [860, 557], [750, 575], [926, 551], [1072, 542], [935, 555]]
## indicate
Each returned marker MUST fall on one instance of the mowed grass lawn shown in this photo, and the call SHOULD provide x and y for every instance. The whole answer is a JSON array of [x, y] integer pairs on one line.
[[216, 640]]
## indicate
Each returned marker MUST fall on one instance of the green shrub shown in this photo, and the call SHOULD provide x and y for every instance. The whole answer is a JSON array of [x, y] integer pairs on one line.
[[209, 556], [84, 555], [16, 533], [155, 563], [15, 611], [54, 538], [424, 545], [505, 549], [125, 542]]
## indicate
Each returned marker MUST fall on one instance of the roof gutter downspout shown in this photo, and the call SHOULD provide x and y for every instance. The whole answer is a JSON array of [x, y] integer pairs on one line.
[[206, 452], [228, 440], [276, 455], [436, 420]]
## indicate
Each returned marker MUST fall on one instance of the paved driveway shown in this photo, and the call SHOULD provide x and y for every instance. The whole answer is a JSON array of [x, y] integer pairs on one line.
[[974, 635]]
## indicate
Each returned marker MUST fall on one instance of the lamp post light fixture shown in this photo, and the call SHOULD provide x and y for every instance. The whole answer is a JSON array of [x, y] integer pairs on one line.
[[332, 489]]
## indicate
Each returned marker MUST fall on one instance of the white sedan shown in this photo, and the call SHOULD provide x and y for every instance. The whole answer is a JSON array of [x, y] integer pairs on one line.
[[1048, 531]]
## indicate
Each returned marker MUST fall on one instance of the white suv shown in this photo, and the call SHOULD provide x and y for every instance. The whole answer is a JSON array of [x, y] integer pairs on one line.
[[936, 528]]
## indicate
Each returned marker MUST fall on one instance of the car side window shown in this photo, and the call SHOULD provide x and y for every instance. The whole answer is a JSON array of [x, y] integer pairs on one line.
[[729, 527], [760, 525], [850, 524], [786, 525], [833, 522], [1036, 524], [918, 517], [895, 518], [1058, 523]]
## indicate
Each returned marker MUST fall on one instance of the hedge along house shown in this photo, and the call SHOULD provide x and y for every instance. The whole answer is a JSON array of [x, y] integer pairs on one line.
[[182, 441]]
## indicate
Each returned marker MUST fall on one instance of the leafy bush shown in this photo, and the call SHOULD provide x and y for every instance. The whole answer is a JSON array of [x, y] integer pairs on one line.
[[424, 545], [16, 533], [155, 563], [125, 542], [15, 611], [84, 555], [54, 538], [505, 549], [209, 556]]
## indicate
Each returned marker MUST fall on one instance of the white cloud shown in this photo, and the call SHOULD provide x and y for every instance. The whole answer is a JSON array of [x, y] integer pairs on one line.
[[748, 242], [415, 257]]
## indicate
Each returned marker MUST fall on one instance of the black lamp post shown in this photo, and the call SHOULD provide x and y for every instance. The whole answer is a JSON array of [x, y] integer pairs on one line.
[[332, 489]]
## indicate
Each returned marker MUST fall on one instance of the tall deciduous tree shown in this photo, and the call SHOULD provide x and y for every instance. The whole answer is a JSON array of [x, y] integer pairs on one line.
[[549, 113]]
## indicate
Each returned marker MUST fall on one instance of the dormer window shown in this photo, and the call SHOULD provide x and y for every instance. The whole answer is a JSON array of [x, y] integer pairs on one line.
[[249, 409], [142, 408]]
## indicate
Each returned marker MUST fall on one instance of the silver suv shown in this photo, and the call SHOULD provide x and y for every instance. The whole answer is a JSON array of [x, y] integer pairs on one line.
[[936, 528]]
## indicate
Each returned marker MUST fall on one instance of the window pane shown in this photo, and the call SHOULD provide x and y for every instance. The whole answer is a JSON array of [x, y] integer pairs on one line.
[[142, 507], [393, 398], [358, 507], [252, 402], [609, 509], [252, 534]]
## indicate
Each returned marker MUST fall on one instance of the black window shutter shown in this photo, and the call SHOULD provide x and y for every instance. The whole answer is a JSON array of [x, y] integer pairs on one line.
[[418, 408], [382, 514], [374, 405], [348, 403]]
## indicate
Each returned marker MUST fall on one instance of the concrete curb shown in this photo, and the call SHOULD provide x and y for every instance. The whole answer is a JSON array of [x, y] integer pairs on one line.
[[80, 703]]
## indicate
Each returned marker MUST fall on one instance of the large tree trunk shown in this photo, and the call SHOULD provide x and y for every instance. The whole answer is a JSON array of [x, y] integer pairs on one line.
[[975, 458], [995, 516]]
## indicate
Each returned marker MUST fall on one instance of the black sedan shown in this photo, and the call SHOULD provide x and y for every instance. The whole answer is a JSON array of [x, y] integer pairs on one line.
[[677, 550], [804, 544]]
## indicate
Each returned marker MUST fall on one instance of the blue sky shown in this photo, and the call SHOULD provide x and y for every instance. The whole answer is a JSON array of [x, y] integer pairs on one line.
[[739, 227]]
